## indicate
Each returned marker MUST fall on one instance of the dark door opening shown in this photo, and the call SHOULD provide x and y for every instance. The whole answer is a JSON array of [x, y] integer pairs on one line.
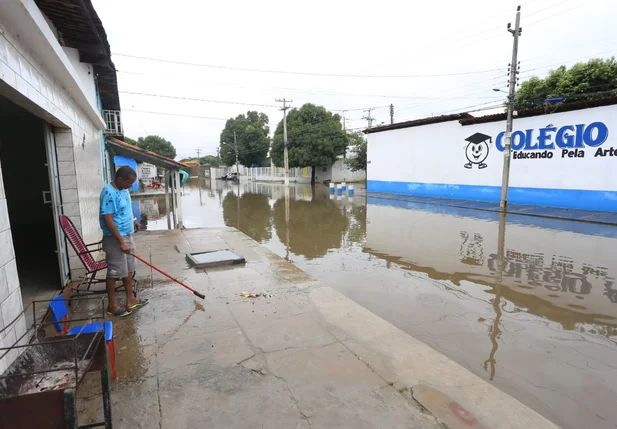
[[26, 183]]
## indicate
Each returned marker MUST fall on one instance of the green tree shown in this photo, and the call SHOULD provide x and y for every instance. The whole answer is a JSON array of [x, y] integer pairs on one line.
[[315, 137], [357, 159], [594, 79], [211, 160], [205, 160], [252, 132], [154, 144]]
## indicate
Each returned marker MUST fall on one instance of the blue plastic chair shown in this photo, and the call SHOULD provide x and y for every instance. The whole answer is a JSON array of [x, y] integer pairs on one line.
[[60, 316]]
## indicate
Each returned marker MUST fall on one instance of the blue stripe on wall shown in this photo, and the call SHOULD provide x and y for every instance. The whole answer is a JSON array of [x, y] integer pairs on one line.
[[604, 201]]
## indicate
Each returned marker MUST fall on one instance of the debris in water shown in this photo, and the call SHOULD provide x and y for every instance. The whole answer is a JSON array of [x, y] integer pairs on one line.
[[256, 294]]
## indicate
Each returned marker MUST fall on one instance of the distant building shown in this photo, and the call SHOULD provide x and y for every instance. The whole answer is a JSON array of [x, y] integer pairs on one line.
[[146, 172], [338, 172]]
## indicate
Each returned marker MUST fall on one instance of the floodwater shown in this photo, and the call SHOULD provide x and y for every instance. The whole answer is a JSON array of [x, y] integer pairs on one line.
[[527, 303]]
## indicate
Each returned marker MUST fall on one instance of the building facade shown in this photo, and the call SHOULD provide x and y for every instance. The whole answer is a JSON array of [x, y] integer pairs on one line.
[[564, 159], [56, 80], [338, 172]]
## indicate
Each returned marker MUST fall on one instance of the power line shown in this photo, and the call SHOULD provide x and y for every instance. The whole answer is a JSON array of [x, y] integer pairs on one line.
[[310, 91], [475, 43], [175, 114], [231, 102], [359, 109], [302, 73], [196, 99], [540, 96], [560, 13], [465, 109], [563, 62]]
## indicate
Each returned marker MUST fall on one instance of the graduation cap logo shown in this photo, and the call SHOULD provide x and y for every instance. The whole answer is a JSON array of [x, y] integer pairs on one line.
[[477, 150]]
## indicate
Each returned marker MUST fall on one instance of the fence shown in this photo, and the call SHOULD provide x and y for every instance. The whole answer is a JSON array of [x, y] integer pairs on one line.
[[266, 174]]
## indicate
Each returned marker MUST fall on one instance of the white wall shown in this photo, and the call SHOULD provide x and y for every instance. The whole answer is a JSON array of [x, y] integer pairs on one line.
[[146, 172], [78, 137], [341, 173], [338, 172], [430, 160], [85, 72], [10, 294], [47, 85]]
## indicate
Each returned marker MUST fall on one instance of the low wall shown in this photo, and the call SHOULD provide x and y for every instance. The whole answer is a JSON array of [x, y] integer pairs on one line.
[[562, 160], [266, 174]]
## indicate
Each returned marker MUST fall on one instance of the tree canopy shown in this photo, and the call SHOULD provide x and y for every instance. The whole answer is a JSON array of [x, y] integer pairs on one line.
[[594, 79], [357, 159], [252, 132], [154, 144], [315, 137], [211, 160]]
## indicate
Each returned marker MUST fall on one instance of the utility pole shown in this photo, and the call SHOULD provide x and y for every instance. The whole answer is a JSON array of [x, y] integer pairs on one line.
[[236, 149], [507, 153], [344, 121], [198, 161], [368, 116], [391, 114], [285, 142]]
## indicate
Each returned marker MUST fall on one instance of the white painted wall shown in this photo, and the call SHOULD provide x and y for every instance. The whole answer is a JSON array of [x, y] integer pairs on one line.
[[10, 294], [341, 173], [36, 73], [435, 155], [85, 73], [146, 172]]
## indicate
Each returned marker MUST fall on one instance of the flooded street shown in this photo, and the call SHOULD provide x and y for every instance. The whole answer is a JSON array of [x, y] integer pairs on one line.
[[527, 303]]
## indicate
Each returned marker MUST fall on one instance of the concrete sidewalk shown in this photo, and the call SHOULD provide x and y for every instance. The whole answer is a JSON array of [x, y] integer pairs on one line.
[[307, 357]]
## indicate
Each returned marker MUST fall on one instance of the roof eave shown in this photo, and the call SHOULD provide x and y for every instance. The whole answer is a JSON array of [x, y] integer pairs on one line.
[[118, 147]]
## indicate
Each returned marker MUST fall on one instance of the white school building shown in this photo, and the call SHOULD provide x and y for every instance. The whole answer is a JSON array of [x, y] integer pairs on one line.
[[565, 159]]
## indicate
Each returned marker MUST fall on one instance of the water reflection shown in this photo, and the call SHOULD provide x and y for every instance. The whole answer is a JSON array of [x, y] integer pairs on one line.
[[315, 226], [250, 213], [528, 303]]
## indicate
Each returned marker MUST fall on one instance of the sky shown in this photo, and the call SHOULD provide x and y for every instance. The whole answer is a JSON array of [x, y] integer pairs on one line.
[[424, 58]]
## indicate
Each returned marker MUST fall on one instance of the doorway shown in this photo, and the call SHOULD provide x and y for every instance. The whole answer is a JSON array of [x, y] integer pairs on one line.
[[31, 201]]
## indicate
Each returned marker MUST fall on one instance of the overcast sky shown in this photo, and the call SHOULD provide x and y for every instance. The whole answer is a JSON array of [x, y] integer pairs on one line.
[[334, 37]]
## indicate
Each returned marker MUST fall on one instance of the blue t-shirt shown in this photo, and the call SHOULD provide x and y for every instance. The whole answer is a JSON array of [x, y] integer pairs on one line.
[[117, 203]]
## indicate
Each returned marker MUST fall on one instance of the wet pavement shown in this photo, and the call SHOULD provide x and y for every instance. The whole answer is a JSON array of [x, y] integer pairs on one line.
[[527, 303], [301, 355]]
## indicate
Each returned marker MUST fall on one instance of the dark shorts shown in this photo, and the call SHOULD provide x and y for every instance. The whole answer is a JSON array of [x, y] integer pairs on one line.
[[119, 264]]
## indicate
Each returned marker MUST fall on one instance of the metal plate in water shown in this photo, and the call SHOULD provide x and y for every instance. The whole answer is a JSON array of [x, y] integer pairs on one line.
[[214, 259]]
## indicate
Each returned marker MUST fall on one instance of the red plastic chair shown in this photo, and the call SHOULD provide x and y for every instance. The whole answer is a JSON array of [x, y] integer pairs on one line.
[[84, 251]]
